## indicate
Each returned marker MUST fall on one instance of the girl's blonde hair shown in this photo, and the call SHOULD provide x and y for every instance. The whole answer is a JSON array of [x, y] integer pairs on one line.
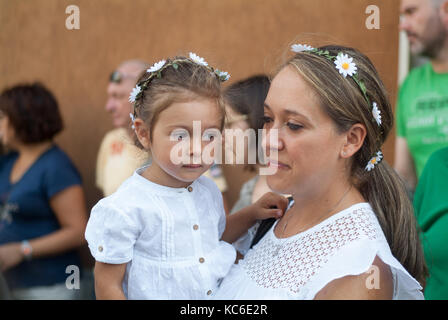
[[343, 100], [187, 81]]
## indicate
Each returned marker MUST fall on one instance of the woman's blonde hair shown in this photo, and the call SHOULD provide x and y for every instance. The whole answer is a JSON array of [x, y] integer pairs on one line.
[[184, 82], [344, 102]]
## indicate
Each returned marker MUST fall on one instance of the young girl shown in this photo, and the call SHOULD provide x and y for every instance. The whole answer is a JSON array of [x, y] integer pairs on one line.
[[158, 236]]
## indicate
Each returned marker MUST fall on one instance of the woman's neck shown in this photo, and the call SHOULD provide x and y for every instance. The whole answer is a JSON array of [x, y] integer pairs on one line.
[[33, 151], [314, 207]]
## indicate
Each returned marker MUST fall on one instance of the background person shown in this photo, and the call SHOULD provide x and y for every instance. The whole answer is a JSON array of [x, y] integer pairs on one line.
[[422, 108], [431, 210], [42, 206], [244, 110], [118, 157]]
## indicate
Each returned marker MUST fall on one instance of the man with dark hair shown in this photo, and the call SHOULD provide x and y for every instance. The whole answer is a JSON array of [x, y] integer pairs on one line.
[[422, 109]]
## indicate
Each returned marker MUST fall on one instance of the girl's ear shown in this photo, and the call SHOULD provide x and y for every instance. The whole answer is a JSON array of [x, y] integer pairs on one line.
[[143, 133], [354, 138]]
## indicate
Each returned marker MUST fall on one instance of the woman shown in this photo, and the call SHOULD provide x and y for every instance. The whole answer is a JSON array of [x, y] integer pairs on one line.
[[244, 109], [350, 232], [43, 213]]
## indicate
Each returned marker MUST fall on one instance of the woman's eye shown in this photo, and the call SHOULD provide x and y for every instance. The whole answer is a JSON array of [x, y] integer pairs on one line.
[[293, 126], [266, 119]]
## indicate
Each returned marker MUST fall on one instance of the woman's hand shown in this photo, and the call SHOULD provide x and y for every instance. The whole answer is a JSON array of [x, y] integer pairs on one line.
[[10, 255], [270, 205]]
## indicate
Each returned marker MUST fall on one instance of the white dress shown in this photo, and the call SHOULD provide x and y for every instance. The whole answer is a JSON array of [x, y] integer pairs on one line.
[[169, 238], [298, 267]]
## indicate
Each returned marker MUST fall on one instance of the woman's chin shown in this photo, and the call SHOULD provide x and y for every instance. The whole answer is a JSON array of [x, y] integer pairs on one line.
[[277, 184]]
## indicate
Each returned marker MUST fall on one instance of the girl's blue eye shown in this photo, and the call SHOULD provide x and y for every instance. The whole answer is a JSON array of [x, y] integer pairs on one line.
[[209, 136], [179, 136]]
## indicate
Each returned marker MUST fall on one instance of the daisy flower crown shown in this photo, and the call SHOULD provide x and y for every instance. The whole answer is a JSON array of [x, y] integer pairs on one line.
[[155, 71], [347, 67]]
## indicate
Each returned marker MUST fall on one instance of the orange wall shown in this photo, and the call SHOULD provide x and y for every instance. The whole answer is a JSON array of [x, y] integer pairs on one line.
[[241, 36]]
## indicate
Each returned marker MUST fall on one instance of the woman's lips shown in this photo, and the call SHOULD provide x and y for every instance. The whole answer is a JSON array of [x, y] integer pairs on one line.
[[277, 164]]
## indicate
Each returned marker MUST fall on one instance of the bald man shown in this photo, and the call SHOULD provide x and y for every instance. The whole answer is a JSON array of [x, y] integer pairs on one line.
[[422, 109], [118, 156]]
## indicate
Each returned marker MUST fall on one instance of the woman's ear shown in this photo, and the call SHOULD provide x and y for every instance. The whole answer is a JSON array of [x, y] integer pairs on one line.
[[143, 133], [354, 138]]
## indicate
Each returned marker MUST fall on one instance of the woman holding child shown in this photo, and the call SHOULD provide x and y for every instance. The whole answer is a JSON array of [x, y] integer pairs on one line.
[[350, 232]]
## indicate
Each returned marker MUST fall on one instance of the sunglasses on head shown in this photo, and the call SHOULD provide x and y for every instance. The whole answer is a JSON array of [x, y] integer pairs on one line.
[[117, 76]]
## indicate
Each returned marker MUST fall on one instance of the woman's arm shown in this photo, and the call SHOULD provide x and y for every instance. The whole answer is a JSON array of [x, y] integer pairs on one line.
[[69, 207], [108, 281], [376, 284]]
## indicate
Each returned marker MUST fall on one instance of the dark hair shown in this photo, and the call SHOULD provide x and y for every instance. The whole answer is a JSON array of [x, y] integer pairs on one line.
[[344, 102], [32, 111], [247, 97]]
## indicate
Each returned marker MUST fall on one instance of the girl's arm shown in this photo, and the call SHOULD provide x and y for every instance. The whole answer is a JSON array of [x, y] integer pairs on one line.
[[108, 281], [270, 205]]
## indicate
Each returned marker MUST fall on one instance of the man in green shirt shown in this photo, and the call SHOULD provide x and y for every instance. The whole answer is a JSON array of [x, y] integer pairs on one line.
[[422, 109], [431, 210]]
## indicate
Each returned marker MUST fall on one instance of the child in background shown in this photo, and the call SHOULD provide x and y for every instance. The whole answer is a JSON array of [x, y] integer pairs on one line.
[[160, 236]]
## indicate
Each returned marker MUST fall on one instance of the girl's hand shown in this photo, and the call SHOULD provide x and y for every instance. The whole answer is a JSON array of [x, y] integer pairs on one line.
[[270, 205], [10, 255]]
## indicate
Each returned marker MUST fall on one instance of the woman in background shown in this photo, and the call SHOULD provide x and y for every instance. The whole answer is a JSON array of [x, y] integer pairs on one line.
[[43, 214]]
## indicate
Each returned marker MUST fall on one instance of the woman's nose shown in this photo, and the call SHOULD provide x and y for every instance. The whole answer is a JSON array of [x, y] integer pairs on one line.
[[272, 140]]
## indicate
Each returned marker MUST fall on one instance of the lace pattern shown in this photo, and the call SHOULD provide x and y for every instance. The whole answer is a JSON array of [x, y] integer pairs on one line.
[[293, 262]]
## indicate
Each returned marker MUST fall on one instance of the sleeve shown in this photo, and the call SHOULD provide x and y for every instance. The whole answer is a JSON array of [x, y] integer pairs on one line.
[[357, 258], [60, 175], [242, 245], [111, 234]]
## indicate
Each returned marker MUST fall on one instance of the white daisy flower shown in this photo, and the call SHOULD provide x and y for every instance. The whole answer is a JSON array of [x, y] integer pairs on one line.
[[345, 65], [133, 121], [134, 93], [198, 59], [157, 66], [374, 161], [376, 113], [224, 76], [301, 47]]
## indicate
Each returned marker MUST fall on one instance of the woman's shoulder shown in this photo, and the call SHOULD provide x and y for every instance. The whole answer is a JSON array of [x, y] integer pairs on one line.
[[131, 196], [55, 158], [356, 221]]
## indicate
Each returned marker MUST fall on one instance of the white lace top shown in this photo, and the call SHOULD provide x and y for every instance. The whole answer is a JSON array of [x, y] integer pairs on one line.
[[298, 267], [168, 237]]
